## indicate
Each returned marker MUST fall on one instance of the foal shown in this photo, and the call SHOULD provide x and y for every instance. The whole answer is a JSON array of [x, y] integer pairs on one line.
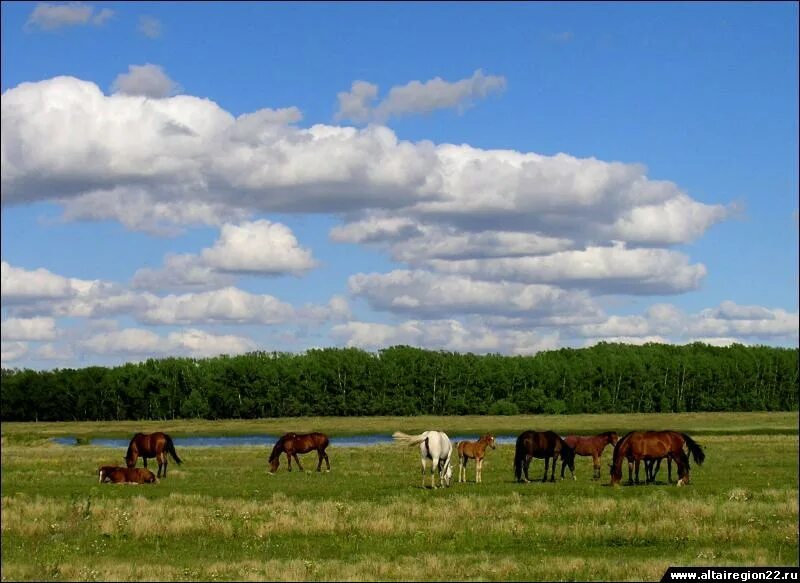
[[475, 450], [592, 446]]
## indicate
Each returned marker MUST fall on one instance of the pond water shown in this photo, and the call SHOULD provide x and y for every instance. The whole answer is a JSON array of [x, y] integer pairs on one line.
[[268, 440]]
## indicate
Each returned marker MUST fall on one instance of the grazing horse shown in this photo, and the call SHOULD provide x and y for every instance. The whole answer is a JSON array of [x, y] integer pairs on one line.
[[541, 444], [125, 475], [434, 446], [654, 445], [147, 445], [475, 450], [293, 443], [592, 446]]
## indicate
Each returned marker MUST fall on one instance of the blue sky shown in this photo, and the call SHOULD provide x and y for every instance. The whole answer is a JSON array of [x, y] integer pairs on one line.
[[202, 178]]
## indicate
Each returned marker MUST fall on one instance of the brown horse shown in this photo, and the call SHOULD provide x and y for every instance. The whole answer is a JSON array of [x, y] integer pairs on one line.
[[474, 450], [147, 445], [541, 444], [654, 445], [592, 446], [293, 443], [125, 475]]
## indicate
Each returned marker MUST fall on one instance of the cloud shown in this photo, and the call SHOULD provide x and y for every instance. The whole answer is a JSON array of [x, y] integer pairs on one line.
[[149, 26], [190, 342], [28, 329], [48, 16], [355, 105], [727, 323], [10, 351], [415, 97], [180, 271], [188, 150], [20, 285], [33, 314], [51, 351], [228, 305], [443, 335], [614, 269], [255, 248], [469, 215], [258, 247], [146, 80], [138, 210], [428, 295]]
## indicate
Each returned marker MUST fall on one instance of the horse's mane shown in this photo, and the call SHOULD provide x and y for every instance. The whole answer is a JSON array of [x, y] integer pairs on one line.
[[619, 443]]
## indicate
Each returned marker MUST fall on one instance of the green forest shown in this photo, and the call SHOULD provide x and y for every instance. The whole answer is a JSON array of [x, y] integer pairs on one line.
[[401, 380]]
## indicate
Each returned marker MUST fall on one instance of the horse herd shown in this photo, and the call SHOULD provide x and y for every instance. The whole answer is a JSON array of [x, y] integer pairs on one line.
[[650, 447]]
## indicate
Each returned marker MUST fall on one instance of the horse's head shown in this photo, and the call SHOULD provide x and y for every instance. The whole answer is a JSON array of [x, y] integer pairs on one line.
[[149, 477], [104, 471], [448, 475], [273, 464], [616, 474], [275, 455]]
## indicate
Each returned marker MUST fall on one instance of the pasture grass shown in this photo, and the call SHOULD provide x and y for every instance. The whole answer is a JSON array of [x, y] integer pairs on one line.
[[750, 423], [220, 516]]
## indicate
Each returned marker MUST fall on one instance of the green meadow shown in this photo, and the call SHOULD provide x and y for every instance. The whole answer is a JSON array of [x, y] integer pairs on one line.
[[221, 516]]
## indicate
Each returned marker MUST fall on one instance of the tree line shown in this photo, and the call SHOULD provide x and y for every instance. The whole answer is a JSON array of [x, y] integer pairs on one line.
[[402, 380]]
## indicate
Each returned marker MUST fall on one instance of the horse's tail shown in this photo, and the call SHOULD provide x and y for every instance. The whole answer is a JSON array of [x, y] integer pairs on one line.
[[409, 439], [171, 449], [567, 453], [519, 457], [697, 452]]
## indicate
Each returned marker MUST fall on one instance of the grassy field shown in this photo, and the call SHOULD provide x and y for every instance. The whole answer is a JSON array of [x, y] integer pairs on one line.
[[220, 516]]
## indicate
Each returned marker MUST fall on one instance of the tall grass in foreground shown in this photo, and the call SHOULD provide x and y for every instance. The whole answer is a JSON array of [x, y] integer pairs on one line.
[[220, 516]]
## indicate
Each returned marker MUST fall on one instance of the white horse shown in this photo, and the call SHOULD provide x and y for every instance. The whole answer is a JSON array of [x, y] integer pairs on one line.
[[434, 446]]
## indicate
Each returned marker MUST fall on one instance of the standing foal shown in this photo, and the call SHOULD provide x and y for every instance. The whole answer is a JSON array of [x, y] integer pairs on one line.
[[475, 450]]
